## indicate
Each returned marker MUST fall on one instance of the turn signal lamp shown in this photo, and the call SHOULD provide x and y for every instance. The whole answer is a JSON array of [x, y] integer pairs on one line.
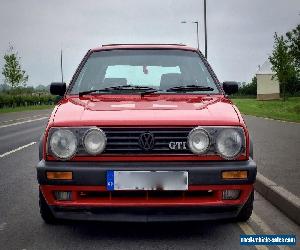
[[240, 174], [59, 175]]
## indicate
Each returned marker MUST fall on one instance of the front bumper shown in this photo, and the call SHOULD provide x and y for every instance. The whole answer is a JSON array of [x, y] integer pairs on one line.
[[146, 214], [92, 201]]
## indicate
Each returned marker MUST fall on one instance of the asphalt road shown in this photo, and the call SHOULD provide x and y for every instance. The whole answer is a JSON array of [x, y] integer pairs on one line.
[[22, 228], [277, 151]]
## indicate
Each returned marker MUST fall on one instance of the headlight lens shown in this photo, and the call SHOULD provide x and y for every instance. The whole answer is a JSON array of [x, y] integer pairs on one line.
[[63, 144], [198, 141], [94, 141], [229, 143]]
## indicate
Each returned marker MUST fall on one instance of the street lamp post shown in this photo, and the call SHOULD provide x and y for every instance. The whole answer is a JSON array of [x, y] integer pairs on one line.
[[197, 31], [197, 25], [205, 29]]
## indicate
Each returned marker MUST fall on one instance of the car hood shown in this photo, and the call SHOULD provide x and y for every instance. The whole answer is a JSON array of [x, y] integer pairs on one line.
[[152, 110]]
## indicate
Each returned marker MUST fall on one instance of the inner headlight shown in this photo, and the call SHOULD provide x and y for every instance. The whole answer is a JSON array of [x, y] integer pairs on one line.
[[94, 141], [229, 143], [63, 144], [198, 141]]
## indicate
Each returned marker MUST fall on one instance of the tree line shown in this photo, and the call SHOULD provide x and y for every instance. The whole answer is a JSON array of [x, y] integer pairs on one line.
[[14, 92], [285, 61], [11, 101]]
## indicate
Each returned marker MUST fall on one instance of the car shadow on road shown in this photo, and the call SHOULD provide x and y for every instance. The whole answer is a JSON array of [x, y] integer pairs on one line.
[[146, 231]]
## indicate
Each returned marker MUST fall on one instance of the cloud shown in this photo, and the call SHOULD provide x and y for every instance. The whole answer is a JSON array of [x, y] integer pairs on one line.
[[240, 32]]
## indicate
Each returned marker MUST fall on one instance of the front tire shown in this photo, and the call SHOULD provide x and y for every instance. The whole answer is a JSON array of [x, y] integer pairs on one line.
[[45, 211], [246, 210]]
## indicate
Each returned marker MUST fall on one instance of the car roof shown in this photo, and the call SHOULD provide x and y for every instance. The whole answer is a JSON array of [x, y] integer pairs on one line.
[[143, 46]]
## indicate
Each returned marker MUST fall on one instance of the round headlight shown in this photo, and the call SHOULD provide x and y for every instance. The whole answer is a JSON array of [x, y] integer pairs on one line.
[[229, 143], [94, 141], [198, 141], [63, 144]]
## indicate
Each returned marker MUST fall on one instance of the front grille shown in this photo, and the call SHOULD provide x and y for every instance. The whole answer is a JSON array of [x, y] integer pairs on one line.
[[127, 140]]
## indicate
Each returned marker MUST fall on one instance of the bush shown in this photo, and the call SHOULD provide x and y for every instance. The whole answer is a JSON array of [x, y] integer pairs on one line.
[[293, 86], [17, 100], [249, 89]]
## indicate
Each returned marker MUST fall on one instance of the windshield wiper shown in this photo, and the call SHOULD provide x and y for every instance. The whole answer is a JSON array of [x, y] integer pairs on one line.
[[93, 91], [190, 88], [148, 92], [143, 89]]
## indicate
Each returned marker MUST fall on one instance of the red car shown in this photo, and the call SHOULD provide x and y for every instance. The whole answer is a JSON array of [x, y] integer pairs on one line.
[[145, 133]]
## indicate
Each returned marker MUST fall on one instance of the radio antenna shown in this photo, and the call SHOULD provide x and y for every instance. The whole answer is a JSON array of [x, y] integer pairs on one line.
[[61, 66]]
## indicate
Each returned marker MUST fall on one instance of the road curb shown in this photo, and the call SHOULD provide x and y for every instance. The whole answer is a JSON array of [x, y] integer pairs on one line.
[[287, 202], [272, 119]]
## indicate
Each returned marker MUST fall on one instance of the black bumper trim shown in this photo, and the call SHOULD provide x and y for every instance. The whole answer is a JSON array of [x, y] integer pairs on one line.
[[131, 214], [94, 173]]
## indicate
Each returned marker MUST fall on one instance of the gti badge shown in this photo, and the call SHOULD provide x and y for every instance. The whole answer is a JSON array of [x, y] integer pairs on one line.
[[177, 145]]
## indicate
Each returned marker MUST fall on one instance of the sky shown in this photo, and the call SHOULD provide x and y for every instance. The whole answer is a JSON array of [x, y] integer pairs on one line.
[[240, 32]]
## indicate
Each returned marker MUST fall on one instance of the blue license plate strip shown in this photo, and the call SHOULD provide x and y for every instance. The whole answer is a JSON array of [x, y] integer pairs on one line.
[[110, 180]]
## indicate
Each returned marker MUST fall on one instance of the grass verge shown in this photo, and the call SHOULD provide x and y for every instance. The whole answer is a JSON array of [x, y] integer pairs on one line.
[[25, 108], [275, 109]]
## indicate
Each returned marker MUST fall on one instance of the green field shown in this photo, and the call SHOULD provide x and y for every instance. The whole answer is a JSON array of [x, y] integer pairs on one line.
[[275, 109], [25, 108]]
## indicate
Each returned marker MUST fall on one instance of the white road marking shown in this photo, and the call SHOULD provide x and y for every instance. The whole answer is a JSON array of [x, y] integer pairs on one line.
[[2, 226], [248, 230], [265, 228], [17, 149], [18, 123], [22, 118]]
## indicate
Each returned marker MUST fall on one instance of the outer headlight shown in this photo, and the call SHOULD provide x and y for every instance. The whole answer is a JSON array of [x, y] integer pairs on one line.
[[229, 143], [63, 144], [94, 141], [198, 140]]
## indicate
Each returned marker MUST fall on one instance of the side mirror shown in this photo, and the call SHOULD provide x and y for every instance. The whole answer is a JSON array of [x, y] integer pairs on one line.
[[58, 88], [230, 87]]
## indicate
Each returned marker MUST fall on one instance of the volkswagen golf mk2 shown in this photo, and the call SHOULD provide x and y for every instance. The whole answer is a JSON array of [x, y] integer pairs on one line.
[[145, 133]]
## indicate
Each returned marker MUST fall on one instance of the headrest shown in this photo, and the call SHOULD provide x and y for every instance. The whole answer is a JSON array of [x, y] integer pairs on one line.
[[170, 80], [112, 82]]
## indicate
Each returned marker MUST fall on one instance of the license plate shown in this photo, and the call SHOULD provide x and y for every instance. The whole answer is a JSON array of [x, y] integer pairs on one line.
[[147, 180]]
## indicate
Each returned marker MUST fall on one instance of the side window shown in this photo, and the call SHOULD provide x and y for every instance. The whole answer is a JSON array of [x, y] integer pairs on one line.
[[140, 75]]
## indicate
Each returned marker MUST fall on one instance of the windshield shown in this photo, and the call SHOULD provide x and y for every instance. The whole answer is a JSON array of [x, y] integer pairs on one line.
[[161, 70]]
